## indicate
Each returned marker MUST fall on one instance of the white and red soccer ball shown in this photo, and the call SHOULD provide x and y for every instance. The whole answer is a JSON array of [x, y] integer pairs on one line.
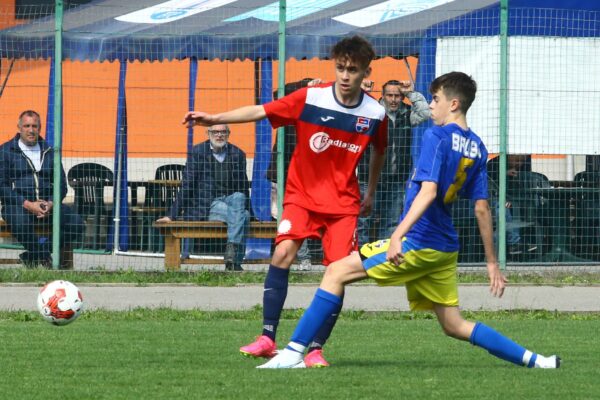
[[60, 302]]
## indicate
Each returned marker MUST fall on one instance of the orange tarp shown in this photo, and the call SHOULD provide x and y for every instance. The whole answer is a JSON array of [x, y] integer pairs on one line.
[[157, 98]]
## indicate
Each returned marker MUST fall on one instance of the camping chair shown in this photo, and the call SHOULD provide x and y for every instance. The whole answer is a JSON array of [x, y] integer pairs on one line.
[[88, 180]]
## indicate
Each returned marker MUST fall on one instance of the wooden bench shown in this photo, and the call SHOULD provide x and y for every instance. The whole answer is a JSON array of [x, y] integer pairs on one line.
[[66, 254], [174, 231]]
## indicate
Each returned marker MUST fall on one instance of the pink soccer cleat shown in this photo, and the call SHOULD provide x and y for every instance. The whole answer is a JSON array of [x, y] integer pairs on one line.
[[262, 347], [314, 359]]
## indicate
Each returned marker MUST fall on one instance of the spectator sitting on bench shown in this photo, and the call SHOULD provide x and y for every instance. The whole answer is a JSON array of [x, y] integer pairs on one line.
[[514, 163], [215, 187], [26, 188]]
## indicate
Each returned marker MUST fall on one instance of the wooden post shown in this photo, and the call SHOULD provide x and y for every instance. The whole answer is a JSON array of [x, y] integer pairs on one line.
[[172, 252]]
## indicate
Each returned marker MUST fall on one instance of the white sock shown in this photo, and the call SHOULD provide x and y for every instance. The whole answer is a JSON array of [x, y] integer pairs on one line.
[[297, 347]]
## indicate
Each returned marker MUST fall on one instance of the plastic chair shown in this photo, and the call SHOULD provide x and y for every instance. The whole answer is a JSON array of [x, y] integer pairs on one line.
[[587, 216], [88, 180], [159, 197]]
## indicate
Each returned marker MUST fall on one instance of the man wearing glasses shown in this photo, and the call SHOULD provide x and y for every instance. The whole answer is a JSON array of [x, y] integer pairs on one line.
[[215, 187]]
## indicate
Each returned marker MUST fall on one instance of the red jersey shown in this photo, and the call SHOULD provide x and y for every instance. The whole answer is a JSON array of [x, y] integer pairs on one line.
[[331, 138]]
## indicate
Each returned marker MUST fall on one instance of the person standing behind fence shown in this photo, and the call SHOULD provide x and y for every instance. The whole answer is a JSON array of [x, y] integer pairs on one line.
[[514, 164], [396, 170], [334, 123], [26, 190], [215, 187]]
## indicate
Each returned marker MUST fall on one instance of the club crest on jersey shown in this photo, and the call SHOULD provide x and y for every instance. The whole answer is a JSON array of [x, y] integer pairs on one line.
[[362, 124]]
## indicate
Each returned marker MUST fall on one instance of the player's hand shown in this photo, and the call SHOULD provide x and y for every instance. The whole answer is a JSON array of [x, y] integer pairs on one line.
[[394, 252], [198, 118], [163, 219], [497, 280], [314, 82]]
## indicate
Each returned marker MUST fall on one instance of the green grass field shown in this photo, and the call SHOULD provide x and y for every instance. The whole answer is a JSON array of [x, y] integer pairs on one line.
[[166, 354], [221, 278]]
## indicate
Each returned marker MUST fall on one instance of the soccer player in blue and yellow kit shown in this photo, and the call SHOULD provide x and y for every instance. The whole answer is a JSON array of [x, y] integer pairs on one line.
[[423, 250]]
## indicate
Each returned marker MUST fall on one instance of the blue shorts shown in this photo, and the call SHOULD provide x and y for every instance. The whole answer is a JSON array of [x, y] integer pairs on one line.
[[429, 275]]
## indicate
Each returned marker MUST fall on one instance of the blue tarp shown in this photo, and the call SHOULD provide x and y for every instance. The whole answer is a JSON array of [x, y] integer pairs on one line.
[[158, 30]]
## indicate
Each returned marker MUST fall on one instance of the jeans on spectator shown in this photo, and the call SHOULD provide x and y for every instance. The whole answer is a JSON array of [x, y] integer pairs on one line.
[[232, 210], [303, 251], [22, 226], [513, 235], [387, 207]]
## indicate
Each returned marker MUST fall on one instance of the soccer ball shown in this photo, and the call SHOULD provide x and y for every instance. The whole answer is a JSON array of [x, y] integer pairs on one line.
[[60, 302]]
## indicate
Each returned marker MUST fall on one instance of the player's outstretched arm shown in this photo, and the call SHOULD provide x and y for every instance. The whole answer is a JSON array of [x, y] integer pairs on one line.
[[484, 220], [239, 115]]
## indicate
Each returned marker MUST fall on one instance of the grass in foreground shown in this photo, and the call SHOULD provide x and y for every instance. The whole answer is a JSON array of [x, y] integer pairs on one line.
[[220, 278], [193, 355]]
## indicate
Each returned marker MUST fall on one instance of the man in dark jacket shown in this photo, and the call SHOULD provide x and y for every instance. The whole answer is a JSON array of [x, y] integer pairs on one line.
[[26, 187], [215, 187], [396, 170]]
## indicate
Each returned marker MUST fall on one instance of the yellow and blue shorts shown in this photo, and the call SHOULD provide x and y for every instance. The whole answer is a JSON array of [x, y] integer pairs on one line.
[[429, 275]]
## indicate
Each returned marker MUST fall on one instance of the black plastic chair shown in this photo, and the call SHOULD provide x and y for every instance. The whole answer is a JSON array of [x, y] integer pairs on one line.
[[159, 197], [88, 180], [587, 217], [163, 195]]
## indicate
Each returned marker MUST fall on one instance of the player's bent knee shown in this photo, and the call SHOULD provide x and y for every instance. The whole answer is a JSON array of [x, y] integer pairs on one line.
[[283, 256], [457, 329]]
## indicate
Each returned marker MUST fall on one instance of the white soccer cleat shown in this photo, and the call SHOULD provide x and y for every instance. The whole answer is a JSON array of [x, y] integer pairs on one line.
[[547, 362], [285, 359]]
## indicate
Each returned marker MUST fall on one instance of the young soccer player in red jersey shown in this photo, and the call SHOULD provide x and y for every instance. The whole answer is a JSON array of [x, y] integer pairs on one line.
[[335, 122]]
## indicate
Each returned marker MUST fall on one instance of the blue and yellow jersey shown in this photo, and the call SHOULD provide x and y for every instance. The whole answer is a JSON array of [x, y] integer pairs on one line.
[[455, 159]]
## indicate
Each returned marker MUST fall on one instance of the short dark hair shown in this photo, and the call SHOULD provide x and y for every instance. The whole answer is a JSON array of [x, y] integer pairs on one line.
[[355, 48], [391, 82], [456, 85], [29, 113]]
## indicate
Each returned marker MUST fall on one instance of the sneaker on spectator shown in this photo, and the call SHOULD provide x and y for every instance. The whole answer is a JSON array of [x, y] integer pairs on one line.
[[304, 265], [531, 247], [264, 346], [314, 359], [520, 248]]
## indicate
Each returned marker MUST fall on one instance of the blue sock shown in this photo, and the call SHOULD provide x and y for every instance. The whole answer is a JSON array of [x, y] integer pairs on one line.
[[275, 292], [501, 346], [326, 329], [323, 305]]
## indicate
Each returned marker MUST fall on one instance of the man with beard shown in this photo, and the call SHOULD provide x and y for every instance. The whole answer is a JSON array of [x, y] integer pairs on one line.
[[215, 187]]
